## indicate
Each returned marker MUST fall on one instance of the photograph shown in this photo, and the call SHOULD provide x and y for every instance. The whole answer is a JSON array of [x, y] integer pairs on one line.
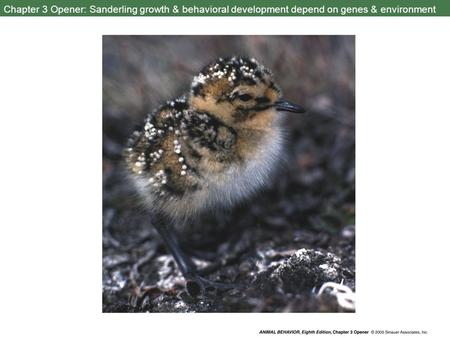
[[228, 171]]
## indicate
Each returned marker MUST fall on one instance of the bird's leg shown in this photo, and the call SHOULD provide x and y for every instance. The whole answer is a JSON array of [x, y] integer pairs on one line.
[[185, 264]]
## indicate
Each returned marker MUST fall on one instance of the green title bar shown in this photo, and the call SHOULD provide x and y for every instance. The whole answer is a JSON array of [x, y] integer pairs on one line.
[[226, 8]]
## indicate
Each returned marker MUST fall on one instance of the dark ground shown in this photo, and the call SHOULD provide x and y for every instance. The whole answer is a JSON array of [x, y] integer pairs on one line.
[[284, 243]]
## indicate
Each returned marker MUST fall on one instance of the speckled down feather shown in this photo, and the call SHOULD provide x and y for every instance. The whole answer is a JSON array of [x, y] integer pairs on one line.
[[212, 147]]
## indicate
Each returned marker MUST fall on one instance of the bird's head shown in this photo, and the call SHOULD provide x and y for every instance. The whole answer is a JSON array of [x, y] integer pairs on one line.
[[239, 91]]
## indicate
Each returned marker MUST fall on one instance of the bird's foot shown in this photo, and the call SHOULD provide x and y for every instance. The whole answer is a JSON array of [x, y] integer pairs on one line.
[[197, 284]]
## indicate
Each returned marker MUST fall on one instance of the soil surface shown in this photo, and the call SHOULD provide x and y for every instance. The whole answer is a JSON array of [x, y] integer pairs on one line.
[[283, 244]]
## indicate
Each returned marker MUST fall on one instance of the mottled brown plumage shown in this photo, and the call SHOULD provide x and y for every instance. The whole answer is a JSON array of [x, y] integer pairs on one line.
[[212, 147]]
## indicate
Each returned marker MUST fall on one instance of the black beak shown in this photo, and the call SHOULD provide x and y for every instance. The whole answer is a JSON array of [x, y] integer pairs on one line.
[[282, 105]]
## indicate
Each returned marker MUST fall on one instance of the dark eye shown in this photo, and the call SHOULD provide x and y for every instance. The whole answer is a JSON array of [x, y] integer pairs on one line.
[[245, 97]]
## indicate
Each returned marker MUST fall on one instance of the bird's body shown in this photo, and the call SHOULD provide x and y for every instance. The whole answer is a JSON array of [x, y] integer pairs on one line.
[[198, 162], [212, 147]]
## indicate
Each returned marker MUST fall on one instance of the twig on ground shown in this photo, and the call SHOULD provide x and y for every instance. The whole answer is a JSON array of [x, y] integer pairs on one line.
[[134, 272]]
